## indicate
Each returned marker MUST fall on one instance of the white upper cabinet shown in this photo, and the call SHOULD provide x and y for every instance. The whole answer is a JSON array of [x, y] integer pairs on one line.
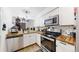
[[51, 13], [66, 16]]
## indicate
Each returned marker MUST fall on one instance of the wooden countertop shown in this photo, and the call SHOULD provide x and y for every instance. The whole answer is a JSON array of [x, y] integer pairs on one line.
[[39, 32], [20, 33], [13, 35], [68, 39]]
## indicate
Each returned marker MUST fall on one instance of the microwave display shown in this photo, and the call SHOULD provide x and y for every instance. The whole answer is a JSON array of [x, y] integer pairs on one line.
[[54, 20]]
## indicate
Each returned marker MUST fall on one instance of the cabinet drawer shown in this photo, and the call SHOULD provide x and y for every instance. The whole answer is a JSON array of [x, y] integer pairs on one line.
[[60, 43], [64, 47]]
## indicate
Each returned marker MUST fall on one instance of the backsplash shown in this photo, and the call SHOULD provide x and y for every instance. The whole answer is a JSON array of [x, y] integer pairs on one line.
[[64, 29]]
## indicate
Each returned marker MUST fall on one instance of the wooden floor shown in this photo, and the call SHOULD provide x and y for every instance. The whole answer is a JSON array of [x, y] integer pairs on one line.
[[31, 48]]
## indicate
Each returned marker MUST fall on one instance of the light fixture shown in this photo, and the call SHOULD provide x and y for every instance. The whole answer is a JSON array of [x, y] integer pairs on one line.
[[26, 11]]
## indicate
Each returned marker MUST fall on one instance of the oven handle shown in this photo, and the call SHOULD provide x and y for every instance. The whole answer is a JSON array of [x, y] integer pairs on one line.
[[47, 38]]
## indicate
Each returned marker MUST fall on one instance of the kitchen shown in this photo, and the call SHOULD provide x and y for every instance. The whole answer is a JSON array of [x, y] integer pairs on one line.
[[38, 29]]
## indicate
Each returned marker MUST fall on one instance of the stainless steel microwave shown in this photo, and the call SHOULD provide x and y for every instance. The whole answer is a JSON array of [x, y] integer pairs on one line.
[[52, 21]]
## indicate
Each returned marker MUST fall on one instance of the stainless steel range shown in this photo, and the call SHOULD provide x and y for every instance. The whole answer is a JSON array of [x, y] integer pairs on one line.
[[48, 41]]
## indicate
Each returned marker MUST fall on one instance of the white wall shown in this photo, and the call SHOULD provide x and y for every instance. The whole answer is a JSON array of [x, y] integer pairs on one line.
[[6, 17], [8, 13], [16, 11], [38, 22], [0, 20], [77, 32], [66, 16], [0, 28]]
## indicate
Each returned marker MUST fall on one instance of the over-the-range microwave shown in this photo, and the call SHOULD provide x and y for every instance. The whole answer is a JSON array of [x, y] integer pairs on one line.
[[52, 21]]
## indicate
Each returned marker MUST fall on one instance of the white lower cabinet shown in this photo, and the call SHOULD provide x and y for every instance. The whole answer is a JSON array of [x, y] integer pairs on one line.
[[64, 47], [20, 42], [10, 44], [70, 48], [38, 39], [25, 40], [29, 39], [14, 44]]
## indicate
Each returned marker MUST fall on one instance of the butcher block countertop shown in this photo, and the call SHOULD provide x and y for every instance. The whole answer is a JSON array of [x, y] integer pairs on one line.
[[39, 32], [13, 35], [68, 39], [20, 33]]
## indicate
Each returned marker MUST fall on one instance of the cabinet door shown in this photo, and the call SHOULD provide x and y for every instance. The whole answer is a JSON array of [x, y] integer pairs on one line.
[[70, 48], [26, 40], [32, 38], [15, 44], [38, 39], [20, 45], [10, 45], [64, 47], [59, 46], [66, 16]]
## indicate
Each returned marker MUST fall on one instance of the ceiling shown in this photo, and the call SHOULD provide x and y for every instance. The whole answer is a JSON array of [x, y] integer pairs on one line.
[[33, 11]]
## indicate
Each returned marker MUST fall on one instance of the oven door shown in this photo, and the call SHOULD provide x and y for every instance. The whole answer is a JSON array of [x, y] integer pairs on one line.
[[48, 45]]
